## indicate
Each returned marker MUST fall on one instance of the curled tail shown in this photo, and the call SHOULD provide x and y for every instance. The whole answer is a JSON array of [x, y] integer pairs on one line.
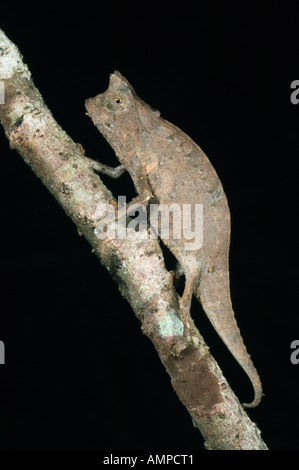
[[214, 295]]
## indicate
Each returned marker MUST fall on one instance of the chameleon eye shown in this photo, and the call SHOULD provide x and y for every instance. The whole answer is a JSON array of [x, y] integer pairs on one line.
[[115, 103]]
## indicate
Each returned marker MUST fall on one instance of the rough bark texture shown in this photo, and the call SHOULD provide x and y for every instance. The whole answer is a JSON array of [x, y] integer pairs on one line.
[[136, 265]]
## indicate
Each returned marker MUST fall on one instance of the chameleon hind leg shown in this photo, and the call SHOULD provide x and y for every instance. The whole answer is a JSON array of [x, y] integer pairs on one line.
[[185, 303], [186, 299]]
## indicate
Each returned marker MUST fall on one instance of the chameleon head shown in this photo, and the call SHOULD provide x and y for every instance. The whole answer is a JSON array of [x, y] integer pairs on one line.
[[118, 113]]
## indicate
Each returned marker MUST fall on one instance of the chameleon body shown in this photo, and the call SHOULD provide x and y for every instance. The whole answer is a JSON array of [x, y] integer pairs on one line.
[[166, 164]]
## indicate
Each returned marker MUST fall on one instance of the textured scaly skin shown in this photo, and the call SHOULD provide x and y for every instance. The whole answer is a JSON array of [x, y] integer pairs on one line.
[[166, 164]]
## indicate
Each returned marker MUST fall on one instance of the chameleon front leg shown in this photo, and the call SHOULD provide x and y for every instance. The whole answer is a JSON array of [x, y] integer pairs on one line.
[[143, 188], [105, 169]]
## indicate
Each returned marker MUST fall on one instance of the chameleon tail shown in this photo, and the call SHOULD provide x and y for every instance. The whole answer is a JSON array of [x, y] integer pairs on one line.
[[213, 294]]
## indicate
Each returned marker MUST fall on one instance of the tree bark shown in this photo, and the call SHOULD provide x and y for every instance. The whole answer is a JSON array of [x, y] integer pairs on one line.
[[135, 264]]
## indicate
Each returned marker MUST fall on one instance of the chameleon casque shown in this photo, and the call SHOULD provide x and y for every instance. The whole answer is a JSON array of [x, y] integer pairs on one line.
[[166, 164]]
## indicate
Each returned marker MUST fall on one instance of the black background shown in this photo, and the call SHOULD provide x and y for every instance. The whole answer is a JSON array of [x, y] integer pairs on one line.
[[79, 374]]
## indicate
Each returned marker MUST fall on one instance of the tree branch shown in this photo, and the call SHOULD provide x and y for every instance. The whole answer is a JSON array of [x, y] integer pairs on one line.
[[136, 265]]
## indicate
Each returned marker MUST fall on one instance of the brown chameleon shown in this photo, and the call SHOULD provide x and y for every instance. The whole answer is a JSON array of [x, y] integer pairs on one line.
[[165, 164]]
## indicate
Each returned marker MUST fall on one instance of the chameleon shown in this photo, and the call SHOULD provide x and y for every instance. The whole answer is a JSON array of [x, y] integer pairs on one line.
[[165, 164]]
